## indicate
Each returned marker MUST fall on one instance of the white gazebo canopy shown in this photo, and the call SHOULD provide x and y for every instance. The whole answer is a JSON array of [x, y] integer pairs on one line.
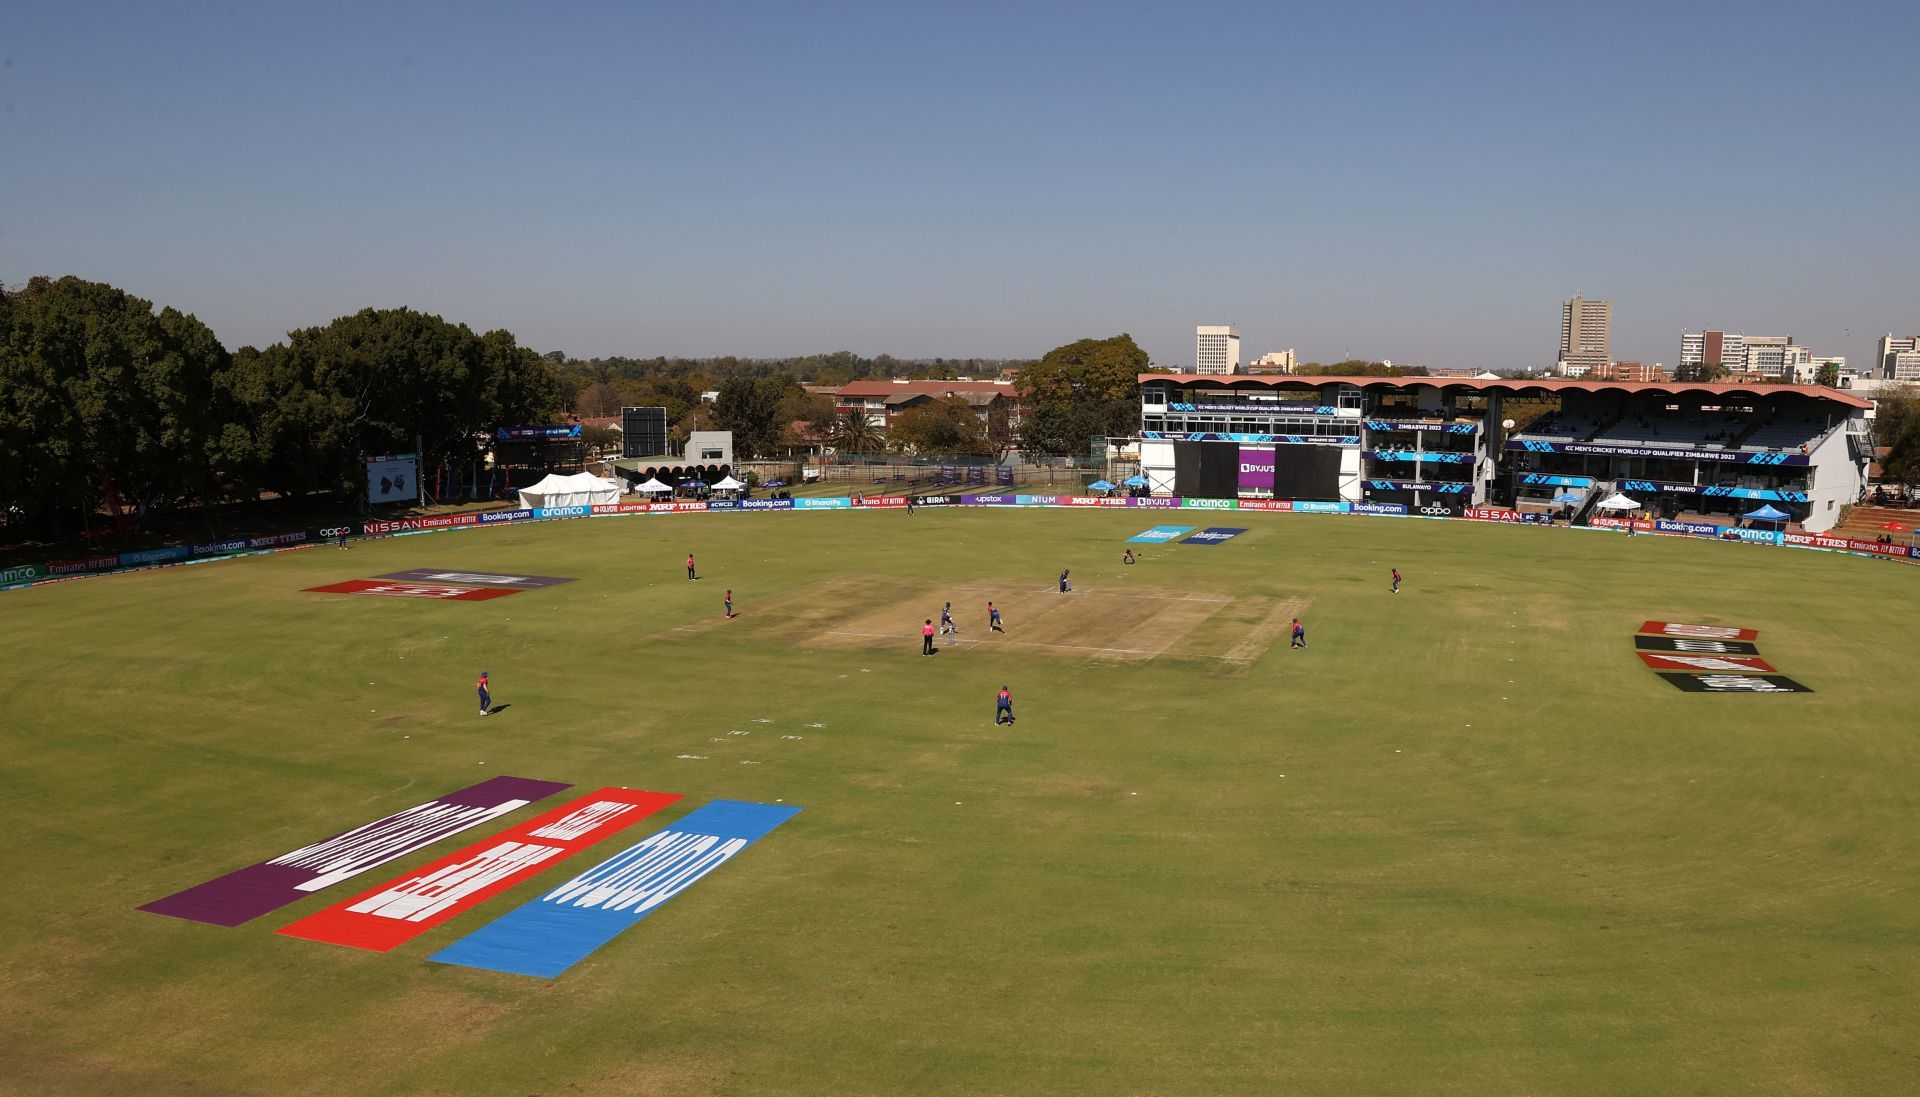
[[1617, 501], [653, 484], [728, 484]]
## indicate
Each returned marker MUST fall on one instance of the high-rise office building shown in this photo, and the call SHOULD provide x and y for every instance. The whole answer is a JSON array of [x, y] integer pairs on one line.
[[1765, 355], [1216, 348], [1584, 334], [1898, 358]]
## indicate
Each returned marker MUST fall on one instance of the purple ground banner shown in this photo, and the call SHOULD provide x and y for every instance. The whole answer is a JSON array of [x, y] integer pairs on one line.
[[266, 887], [476, 578]]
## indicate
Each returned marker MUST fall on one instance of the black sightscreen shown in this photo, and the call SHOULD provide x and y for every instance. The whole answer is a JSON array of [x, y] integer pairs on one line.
[[643, 432], [1206, 470], [1306, 472]]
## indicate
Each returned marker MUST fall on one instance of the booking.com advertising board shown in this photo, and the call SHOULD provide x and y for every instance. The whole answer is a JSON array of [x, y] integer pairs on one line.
[[22, 575]]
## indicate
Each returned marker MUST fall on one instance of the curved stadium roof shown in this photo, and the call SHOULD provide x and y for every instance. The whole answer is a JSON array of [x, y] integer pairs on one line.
[[1513, 386]]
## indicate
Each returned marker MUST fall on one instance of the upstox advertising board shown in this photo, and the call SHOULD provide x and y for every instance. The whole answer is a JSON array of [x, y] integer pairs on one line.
[[1214, 535], [1160, 535]]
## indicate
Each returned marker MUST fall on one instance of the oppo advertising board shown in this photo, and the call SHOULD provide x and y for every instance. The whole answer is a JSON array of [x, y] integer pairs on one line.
[[393, 479]]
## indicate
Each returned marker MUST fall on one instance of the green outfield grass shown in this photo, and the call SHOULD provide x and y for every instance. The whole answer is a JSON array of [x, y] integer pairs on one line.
[[1465, 844]]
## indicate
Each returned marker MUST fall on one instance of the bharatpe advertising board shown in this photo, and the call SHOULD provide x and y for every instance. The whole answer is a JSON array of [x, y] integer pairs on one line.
[[393, 479], [1256, 472], [566, 925], [383, 918], [266, 887]]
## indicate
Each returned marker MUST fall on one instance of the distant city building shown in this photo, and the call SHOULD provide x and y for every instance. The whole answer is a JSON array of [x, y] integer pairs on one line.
[[1216, 349], [1809, 373], [1277, 361], [1639, 373], [881, 401], [1774, 356], [1898, 358], [1585, 328]]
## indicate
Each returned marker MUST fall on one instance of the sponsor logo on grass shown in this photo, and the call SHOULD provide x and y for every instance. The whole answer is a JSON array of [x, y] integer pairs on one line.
[[1737, 664], [566, 925], [1701, 647], [1213, 535], [1161, 534], [477, 578], [439, 591], [265, 887], [1698, 632], [1693, 682], [407, 906]]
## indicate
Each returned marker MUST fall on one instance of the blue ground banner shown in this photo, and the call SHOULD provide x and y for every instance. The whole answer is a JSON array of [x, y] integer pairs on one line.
[[1213, 535], [566, 925], [1161, 534]]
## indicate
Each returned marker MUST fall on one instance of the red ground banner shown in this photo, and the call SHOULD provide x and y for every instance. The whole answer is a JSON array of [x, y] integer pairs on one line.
[[1698, 632], [1266, 504], [1491, 514], [880, 501], [403, 908], [413, 590], [1727, 663]]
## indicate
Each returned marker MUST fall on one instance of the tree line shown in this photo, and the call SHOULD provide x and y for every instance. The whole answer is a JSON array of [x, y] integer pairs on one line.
[[108, 406]]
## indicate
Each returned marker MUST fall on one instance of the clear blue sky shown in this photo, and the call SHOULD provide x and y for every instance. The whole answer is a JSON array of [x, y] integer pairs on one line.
[[1422, 182]]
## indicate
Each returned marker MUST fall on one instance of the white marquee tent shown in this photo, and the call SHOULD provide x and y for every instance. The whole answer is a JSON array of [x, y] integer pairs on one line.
[[1618, 501], [652, 485], [728, 484], [582, 489]]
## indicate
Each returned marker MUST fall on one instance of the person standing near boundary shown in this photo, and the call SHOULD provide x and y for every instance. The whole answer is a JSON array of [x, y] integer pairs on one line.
[[1299, 634], [729, 604], [1003, 707], [993, 619], [1396, 580], [343, 538], [1065, 586], [486, 697], [691, 574], [926, 638], [909, 506]]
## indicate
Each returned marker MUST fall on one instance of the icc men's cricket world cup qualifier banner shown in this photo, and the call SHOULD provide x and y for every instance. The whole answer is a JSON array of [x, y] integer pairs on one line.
[[566, 925], [403, 908], [266, 887]]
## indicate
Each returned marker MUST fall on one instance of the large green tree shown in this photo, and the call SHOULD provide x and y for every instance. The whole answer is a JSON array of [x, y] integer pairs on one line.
[[750, 408], [1896, 426], [947, 425], [105, 401], [1085, 388], [388, 381]]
